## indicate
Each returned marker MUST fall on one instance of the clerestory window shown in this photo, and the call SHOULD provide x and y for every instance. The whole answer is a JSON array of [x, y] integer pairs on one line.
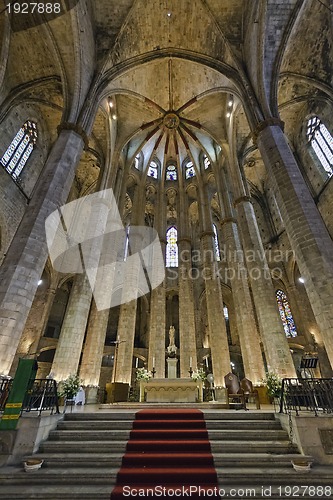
[[322, 143], [20, 149]]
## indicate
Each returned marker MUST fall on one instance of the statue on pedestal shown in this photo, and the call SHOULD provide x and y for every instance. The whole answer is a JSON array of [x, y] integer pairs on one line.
[[172, 349]]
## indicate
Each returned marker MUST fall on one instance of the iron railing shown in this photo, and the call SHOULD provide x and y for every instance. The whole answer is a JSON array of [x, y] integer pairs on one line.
[[41, 395], [311, 394]]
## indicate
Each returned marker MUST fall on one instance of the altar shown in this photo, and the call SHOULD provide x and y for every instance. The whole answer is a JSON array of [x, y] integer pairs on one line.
[[171, 390]]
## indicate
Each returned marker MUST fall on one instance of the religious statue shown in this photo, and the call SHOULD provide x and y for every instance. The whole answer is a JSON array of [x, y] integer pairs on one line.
[[172, 349], [171, 335]]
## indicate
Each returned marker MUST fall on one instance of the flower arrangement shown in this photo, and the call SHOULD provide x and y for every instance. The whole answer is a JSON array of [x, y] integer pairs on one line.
[[199, 374], [143, 374], [171, 351], [70, 387], [273, 383]]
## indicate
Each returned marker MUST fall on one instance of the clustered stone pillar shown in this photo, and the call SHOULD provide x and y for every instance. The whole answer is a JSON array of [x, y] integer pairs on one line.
[[187, 337], [275, 343], [157, 303], [27, 255], [246, 325], [216, 323], [306, 230], [93, 350], [67, 357], [127, 316]]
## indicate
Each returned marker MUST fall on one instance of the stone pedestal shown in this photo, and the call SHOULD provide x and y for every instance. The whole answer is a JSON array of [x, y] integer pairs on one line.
[[172, 367]]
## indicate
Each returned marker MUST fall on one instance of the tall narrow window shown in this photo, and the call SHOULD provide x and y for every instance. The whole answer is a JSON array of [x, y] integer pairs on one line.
[[171, 247], [285, 314], [20, 149], [189, 170], [171, 173], [216, 244], [152, 169], [322, 142], [137, 161], [206, 161], [127, 230]]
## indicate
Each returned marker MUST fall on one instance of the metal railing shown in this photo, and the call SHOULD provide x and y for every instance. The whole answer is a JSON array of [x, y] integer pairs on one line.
[[311, 394], [40, 396]]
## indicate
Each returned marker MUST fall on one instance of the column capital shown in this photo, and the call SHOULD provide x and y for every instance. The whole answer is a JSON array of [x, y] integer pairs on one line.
[[184, 239], [228, 219], [242, 199], [270, 122], [75, 128], [206, 233]]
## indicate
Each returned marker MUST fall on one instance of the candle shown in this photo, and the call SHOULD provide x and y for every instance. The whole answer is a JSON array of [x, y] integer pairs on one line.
[[190, 361], [153, 361], [136, 362], [207, 362]]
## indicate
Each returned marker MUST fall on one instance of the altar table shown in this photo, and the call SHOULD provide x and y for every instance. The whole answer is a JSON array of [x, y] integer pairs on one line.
[[171, 390]]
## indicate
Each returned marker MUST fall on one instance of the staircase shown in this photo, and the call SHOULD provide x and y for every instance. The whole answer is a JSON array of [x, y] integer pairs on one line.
[[83, 455]]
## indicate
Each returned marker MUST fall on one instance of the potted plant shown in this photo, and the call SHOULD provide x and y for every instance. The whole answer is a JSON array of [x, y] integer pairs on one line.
[[143, 375], [69, 388], [199, 375], [273, 383]]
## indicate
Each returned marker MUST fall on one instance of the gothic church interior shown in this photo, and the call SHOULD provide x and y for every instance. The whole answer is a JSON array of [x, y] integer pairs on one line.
[[211, 121]]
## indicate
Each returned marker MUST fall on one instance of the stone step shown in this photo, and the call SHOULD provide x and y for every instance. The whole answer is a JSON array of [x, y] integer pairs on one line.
[[214, 434], [95, 425], [83, 447], [227, 446], [114, 460], [127, 424], [94, 492], [233, 415], [107, 476]]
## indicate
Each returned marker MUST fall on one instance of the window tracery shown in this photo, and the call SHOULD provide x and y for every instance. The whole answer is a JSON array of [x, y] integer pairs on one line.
[[20, 149], [285, 314], [322, 143], [171, 247]]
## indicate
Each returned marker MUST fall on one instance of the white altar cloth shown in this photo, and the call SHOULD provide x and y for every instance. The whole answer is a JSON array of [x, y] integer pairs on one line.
[[171, 390]]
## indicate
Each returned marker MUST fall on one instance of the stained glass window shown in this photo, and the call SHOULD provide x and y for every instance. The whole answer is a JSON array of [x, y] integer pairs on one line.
[[171, 173], [152, 169], [216, 244], [322, 142], [285, 314], [189, 170], [20, 149], [171, 247], [206, 161]]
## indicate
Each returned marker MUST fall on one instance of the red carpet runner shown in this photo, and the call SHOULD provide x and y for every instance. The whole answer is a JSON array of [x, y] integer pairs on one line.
[[168, 454]]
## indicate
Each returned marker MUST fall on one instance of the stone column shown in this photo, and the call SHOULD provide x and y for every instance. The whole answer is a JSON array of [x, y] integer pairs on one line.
[[90, 368], [306, 230], [67, 356], [68, 353], [127, 316], [246, 325], [275, 343], [216, 323], [27, 255], [187, 332], [158, 300], [36, 323], [93, 349]]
